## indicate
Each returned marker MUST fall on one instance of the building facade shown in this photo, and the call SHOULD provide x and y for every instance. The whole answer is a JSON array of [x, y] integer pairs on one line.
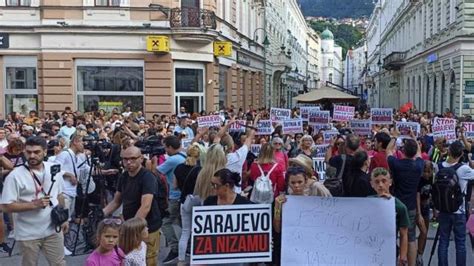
[[92, 54], [354, 66], [331, 60], [425, 55], [314, 55]]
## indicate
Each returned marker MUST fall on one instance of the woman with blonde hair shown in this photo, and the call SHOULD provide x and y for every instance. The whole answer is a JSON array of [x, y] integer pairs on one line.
[[305, 146], [266, 165], [215, 160]]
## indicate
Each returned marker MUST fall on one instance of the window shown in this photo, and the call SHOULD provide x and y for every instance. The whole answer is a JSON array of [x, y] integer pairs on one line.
[[189, 80], [106, 84], [223, 87], [330, 62], [18, 2], [21, 94], [107, 2], [189, 86], [330, 77]]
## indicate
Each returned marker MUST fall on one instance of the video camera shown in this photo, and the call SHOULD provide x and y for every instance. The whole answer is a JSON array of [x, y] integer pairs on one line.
[[152, 146], [96, 147]]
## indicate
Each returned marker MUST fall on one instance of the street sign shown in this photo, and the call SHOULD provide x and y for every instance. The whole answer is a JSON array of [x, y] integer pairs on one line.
[[222, 48], [4, 40], [157, 43]]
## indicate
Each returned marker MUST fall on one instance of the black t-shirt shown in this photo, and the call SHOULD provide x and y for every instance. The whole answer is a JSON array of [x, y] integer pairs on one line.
[[337, 162], [212, 200], [359, 183], [424, 188], [181, 172], [132, 190], [406, 174], [188, 179]]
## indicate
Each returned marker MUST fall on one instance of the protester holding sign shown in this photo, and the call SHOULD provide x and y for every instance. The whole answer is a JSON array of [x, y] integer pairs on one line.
[[223, 183], [266, 165]]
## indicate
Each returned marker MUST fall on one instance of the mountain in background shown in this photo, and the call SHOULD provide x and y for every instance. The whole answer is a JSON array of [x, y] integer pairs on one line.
[[337, 8]]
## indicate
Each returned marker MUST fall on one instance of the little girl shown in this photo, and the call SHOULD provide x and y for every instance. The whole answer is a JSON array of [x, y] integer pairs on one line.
[[107, 252], [132, 234]]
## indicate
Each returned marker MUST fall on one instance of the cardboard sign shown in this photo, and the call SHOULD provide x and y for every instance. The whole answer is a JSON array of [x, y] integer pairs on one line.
[[319, 117], [231, 234], [264, 127], [209, 121], [328, 135], [320, 167], [444, 128], [343, 113], [338, 231], [292, 126], [305, 110], [405, 127], [255, 149], [320, 150], [468, 129], [237, 126], [279, 114], [381, 116], [361, 127]]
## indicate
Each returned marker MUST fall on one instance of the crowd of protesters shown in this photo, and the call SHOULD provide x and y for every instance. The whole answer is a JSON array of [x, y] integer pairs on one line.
[[138, 157]]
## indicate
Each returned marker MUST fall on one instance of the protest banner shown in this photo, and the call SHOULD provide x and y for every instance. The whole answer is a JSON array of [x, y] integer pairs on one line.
[[338, 231], [328, 135], [361, 127], [320, 150], [468, 129], [305, 110], [343, 113], [238, 126], [318, 127], [292, 126], [405, 127], [444, 128], [319, 165], [185, 143], [264, 127], [318, 117], [279, 114], [209, 121], [255, 149], [381, 116], [231, 234]]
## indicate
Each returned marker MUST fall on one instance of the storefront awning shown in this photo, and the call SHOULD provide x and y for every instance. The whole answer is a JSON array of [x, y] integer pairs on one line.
[[326, 93]]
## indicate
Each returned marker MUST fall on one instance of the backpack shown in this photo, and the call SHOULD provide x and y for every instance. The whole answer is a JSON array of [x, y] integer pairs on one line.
[[263, 190], [446, 191], [163, 193], [334, 183]]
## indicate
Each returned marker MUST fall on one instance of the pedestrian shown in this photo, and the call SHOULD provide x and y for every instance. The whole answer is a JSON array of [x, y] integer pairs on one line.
[[107, 251], [132, 235], [222, 183]]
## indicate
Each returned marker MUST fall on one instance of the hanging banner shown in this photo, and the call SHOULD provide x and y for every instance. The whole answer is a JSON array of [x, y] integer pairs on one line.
[[343, 113], [238, 126], [468, 129], [264, 127], [319, 117], [279, 114], [319, 165], [292, 126], [328, 135], [305, 110], [381, 116], [405, 127], [255, 149], [361, 127], [209, 121], [227, 234], [444, 128]]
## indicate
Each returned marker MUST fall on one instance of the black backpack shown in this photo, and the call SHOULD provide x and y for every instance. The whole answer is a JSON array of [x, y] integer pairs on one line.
[[446, 191]]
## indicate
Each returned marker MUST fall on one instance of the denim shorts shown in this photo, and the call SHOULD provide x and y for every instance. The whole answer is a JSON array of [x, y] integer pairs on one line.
[[412, 226]]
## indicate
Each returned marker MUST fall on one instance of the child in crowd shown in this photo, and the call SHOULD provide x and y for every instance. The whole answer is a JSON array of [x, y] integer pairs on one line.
[[107, 252], [132, 234]]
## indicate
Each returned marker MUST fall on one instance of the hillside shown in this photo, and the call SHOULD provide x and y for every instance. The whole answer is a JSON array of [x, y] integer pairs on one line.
[[337, 8]]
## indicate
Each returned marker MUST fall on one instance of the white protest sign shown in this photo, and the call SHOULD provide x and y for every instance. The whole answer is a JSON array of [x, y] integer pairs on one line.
[[238, 126], [319, 165], [468, 129], [292, 126], [264, 127], [209, 121], [305, 110], [361, 127], [185, 143], [343, 113], [231, 234], [255, 149], [444, 128], [320, 150], [338, 231], [328, 135], [318, 127], [279, 114], [381, 116], [405, 127], [318, 117]]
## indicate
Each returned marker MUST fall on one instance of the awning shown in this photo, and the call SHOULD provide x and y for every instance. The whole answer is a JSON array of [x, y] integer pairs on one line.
[[326, 93]]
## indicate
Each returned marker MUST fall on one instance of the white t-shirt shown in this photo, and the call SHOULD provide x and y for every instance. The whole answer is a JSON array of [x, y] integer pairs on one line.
[[3, 143], [65, 159], [136, 257], [235, 162], [465, 173], [21, 187]]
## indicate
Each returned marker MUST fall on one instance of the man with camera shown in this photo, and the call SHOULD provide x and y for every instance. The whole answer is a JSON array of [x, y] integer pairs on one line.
[[31, 191]]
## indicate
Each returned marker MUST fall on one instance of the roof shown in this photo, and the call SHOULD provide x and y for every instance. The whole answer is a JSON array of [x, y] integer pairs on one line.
[[327, 35], [325, 93]]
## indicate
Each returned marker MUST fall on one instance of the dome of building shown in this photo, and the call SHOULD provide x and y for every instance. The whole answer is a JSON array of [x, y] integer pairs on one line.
[[327, 35]]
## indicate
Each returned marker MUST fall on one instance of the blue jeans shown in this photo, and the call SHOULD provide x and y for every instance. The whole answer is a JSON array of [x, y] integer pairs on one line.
[[457, 223]]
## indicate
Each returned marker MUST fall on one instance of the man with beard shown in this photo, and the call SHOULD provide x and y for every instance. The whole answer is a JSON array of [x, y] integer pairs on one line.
[[25, 194]]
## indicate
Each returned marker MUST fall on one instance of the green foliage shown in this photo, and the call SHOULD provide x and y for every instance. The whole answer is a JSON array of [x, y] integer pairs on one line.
[[337, 8], [345, 36]]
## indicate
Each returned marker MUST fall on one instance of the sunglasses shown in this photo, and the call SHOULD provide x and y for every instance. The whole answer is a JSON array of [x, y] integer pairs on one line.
[[112, 221], [215, 185]]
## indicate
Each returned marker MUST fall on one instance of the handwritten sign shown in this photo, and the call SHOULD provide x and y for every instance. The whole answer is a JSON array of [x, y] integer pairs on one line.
[[468, 129], [381, 116], [328, 135], [318, 117], [255, 149], [209, 121], [343, 113], [320, 150], [444, 128], [338, 231], [231, 234], [279, 114], [305, 110], [405, 127], [319, 165], [264, 127], [361, 127], [292, 126], [237, 126]]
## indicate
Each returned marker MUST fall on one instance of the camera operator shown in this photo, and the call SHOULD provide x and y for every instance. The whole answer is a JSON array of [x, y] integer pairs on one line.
[[110, 165]]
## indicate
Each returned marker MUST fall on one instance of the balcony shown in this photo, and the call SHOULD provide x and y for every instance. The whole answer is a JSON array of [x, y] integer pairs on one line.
[[193, 24], [394, 61]]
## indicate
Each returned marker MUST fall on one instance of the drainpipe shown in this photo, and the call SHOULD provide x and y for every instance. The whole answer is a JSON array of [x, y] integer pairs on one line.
[[461, 82]]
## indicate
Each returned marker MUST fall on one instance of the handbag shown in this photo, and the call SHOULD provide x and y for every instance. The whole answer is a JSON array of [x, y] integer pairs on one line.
[[190, 202]]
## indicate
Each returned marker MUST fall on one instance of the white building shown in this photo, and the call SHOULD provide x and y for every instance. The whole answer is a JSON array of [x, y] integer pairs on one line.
[[331, 60], [314, 55], [354, 66]]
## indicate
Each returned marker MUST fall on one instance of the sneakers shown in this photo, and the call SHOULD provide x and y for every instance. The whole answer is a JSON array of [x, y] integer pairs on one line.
[[67, 252], [172, 256], [11, 235], [4, 248]]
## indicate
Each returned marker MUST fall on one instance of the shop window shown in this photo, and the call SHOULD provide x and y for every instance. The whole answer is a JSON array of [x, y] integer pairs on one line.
[[189, 86], [21, 94], [107, 2], [189, 80], [18, 2]]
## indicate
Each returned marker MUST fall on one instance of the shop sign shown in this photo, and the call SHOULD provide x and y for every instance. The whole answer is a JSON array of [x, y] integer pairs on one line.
[[4, 40], [157, 43], [243, 59], [469, 87], [223, 48]]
